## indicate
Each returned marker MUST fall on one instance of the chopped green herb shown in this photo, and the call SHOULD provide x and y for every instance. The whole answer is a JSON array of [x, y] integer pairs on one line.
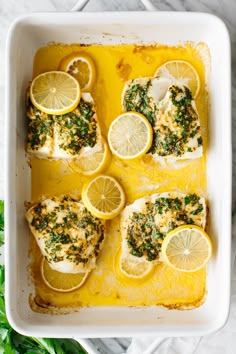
[[137, 99], [199, 140], [168, 141], [198, 210], [77, 129], [40, 126], [191, 198]]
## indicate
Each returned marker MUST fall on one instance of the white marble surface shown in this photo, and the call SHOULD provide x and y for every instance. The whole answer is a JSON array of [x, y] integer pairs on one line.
[[225, 9]]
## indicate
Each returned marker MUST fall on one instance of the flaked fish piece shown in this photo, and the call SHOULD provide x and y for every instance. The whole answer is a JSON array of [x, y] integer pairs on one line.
[[69, 237], [68, 136], [143, 95], [146, 222], [177, 131], [172, 112]]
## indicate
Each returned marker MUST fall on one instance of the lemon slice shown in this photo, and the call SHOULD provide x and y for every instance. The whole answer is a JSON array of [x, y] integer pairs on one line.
[[103, 197], [187, 248], [131, 271], [134, 267], [130, 135], [55, 92], [92, 164], [62, 282], [182, 72], [81, 67]]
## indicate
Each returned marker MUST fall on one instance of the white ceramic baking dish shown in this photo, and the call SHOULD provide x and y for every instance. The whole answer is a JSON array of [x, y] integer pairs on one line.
[[28, 34]]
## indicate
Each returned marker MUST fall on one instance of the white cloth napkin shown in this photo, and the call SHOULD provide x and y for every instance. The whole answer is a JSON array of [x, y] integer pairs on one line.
[[221, 342]]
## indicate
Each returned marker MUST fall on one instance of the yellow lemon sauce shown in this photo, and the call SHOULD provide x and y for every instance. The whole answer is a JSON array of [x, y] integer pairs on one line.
[[141, 177]]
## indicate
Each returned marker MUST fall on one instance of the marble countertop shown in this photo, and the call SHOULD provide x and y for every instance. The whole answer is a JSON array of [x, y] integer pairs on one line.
[[11, 9]]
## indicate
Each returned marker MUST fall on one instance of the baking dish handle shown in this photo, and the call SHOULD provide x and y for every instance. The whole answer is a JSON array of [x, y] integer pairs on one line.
[[80, 5], [148, 5]]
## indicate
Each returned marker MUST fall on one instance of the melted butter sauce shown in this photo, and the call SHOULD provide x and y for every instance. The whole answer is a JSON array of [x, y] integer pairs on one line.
[[141, 177]]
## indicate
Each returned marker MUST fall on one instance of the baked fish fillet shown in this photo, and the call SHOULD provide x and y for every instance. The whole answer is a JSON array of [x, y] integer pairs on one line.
[[68, 136], [145, 223], [172, 112], [69, 237]]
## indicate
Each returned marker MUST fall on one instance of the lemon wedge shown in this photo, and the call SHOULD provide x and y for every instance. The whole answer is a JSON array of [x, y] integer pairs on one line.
[[92, 164], [103, 197], [182, 72], [55, 92], [187, 248], [61, 282], [81, 67], [130, 135]]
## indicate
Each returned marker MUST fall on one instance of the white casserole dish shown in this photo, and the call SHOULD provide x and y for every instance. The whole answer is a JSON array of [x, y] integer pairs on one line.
[[28, 34]]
